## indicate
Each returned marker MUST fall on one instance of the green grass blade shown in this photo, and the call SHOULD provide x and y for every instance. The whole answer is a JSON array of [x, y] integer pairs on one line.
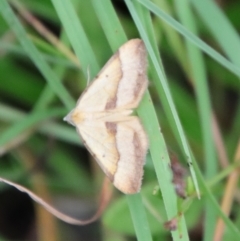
[[158, 148], [160, 158], [76, 35], [28, 122], [139, 217], [164, 92], [34, 54], [191, 37], [172, 36], [221, 28], [229, 40], [51, 128], [113, 29], [201, 88], [235, 233]]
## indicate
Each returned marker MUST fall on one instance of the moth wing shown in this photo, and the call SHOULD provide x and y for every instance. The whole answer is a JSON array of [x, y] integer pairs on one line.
[[132, 143], [120, 149], [121, 82], [100, 142]]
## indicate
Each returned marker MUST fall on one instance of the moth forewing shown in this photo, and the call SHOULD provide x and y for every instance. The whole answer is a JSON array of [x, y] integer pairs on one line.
[[116, 140]]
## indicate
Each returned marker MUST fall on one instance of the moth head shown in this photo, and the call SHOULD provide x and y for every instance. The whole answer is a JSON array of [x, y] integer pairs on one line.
[[69, 118], [76, 117]]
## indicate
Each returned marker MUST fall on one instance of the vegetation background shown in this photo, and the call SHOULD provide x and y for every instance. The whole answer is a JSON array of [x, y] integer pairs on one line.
[[48, 49]]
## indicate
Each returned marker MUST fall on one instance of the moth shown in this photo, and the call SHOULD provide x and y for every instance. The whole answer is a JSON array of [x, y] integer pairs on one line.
[[103, 119]]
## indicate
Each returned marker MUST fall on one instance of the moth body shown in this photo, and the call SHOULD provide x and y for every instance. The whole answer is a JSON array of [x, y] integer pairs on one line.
[[76, 117]]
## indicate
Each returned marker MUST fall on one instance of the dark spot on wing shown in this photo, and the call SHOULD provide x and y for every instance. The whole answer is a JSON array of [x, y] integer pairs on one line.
[[111, 127], [111, 104]]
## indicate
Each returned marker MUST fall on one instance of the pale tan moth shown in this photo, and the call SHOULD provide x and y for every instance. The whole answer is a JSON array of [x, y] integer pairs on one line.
[[103, 118]]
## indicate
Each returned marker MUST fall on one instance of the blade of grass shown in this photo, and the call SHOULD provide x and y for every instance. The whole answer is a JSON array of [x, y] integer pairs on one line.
[[158, 146], [47, 94], [215, 205], [160, 158], [233, 137], [191, 37], [18, 50], [235, 233], [113, 29], [161, 170], [139, 216], [201, 88], [228, 39], [173, 37], [165, 95], [29, 122], [160, 166], [34, 54], [220, 28], [61, 132], [76, 35]]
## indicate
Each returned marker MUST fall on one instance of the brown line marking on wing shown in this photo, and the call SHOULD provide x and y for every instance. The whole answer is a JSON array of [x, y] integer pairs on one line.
[[141, 50], [112, 102], [136, 183]]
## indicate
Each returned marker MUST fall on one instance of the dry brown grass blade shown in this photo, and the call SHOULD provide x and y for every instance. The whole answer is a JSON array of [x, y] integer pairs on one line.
[[221, 151], [45, 32], [228, 197], [104, 199]]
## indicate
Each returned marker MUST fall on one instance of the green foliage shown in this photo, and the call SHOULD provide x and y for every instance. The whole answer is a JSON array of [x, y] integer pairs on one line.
[[191, 81]]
